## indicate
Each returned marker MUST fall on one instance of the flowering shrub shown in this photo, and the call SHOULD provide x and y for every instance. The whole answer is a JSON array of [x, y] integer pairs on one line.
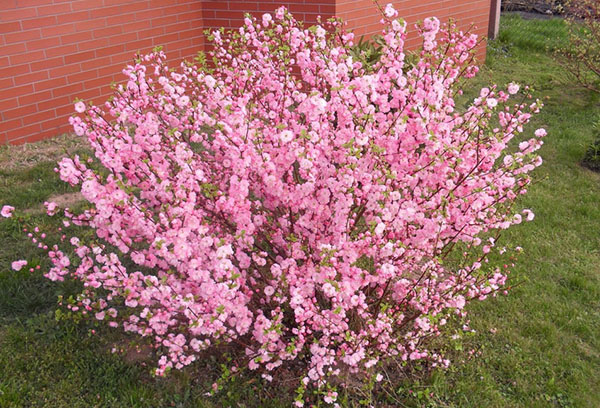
[[582, 57], [293, 202]]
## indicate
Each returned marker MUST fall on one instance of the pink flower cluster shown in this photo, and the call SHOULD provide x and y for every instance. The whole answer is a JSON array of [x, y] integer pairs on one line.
[[295, 203]]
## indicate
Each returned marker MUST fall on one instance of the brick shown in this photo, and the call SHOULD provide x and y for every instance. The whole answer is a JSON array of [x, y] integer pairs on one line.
[[106, 91], [97, 82], [27, 57], [8, 104], [38, 117], [82, 76], [29, 78], [159, 3], [122, 39], [120, 9], [175, 46], [13, 70], [87, 95], [58, 30], [53, 103], [135, 26], [22, 36], [76, 37], [139, 45], [6, 83], [215, 23], [161, 21], [193, 16], [304, 8], [66, 90], [72, 17], [54, 9], [227, 14], [124, 58], [117, 2], [189, 52], [165, 39], [47, 63], [38, 22], [107, 31], [175, 28], [61, 51], [120, 19], [64, 111], [15, 48], [327, 9], [86, 4], [244, 6], [90, 24], [50, 84], [96, 63], [110, 70], [32, 98], [41, 136], [182, 8], [93, 44], [152, 13], [80, 57], [10, 27], [32, 3], [10, 124], [19, 14], [64, 70], [107, 51], [150, 33], [17, 91], [24, 131], [43, 43]]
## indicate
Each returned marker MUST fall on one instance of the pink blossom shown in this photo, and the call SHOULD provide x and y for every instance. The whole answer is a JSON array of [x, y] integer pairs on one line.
[[266, 19], [7, 211], [529, 214], [513, 88], [80, 107], [390, 11], [492, 102], [18, 265], [50, 208]]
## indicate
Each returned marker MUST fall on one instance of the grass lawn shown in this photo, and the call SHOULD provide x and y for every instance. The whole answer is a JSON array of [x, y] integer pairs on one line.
[[545, 351]]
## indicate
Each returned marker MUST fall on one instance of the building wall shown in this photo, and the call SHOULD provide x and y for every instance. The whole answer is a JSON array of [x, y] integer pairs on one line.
[[362, 16], [54, 51]]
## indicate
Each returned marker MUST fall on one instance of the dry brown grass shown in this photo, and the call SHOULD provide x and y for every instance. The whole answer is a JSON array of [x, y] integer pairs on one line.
[[29, 154]]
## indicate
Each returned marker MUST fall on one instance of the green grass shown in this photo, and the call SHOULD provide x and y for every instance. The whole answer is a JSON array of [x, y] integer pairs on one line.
[[546, 349]]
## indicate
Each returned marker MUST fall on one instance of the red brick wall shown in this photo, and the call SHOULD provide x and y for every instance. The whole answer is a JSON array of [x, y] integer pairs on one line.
[[230, 14], [362, 16], [53, 51]]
